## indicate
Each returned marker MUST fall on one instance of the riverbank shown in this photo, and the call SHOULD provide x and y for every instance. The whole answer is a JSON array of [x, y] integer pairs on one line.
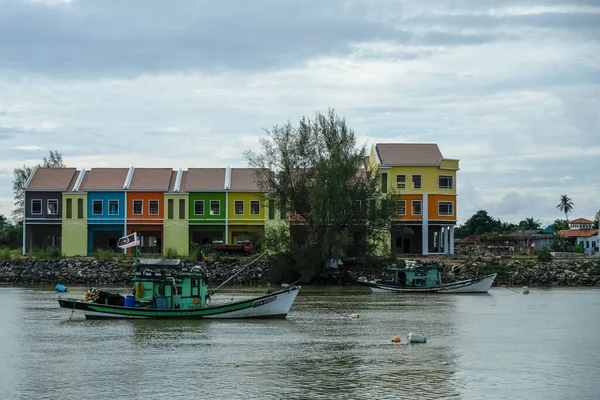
[[511, 271]]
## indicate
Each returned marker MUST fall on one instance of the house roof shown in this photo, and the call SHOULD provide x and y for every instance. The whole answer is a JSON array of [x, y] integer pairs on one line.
[[244, 179], [151, 179], [408, 153], [104, 179], [570, 233], [57, 179], [204, 179], [73, 182], [581, 221]]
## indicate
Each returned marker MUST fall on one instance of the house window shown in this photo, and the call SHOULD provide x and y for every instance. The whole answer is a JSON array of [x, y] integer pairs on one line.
[[238, 207], [445, 208], [416, 180], [182, 208], [198, 207], [384, 183], [282, 209], [113, 207], [587, 244], [271, 209], [215, 207], [356, 206], [170, 207], [401, 207], [254, 207], [416, 207], [138, 207], [36, 207], [97, 207], [80, 208], [52, 207], [445, 182], [400, 181], [153, 207], [69, 210]]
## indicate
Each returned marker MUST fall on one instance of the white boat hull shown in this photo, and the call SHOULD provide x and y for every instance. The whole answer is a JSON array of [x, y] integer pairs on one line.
[[477, 285]]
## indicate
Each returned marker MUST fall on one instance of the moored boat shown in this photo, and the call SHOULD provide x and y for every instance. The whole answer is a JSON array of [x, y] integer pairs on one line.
[[162, 289], [426, 279]]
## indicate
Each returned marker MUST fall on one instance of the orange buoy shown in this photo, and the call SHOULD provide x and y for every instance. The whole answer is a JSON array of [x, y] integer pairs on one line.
[[396, 339]]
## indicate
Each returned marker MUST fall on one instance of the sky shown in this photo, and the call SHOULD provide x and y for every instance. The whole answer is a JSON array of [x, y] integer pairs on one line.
[[511, 88]]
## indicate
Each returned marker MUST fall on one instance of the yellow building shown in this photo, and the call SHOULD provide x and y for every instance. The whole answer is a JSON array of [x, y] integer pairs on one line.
[[422, 183]]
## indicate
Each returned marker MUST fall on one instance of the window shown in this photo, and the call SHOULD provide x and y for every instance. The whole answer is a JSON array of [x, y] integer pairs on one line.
[[400, 181], [97, 207], [198, 207], [36, 206], [69, 210], [385, 207], [238, 207], [416, 207], [384, 184], [80, 208], [282, 209], [215, 207], [182, 208], [113, 207], [416, 180], [445, 208], [356, 206], [254, 207], [52, 207], [170, 208], [153, 207], [271, 209], [401, 207], [587, 244], [445, 182], [138, 207]]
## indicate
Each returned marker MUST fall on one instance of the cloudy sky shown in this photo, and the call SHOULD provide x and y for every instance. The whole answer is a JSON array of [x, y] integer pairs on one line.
[[509, 87]]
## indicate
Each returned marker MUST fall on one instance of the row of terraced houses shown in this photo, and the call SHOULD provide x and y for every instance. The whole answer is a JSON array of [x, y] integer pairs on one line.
[[80, 211]]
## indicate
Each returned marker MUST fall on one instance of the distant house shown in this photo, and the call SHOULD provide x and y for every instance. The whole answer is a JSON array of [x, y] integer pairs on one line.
[[510, 243], [580, 231]]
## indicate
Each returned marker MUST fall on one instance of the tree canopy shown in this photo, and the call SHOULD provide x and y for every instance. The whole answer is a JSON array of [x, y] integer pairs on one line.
[[481, 222], [565, 205], [317, 171], [21, 175]]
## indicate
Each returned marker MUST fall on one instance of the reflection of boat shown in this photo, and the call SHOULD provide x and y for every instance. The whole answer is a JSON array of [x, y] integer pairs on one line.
[[427, 278], [162, 289]]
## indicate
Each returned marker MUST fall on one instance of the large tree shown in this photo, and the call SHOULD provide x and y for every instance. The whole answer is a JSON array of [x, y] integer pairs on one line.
[[529, 224], [565, 205], [481, 222], [21, 175], [316, 170]]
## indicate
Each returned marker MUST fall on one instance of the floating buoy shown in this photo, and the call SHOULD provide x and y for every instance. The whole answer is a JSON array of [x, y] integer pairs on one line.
[[61, 288], [396, 339], [416, 338], [354, 315], [525, 290]]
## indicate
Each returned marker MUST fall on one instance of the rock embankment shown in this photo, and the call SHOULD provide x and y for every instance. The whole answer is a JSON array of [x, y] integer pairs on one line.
[[82, 271]]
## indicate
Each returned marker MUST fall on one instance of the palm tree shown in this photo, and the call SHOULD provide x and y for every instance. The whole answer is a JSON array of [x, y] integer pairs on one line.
[[566, 205]]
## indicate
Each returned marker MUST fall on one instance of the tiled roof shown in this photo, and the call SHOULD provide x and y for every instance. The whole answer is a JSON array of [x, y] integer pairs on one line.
[[151, 179], [204, 179], [578, 232], [57, 179], [244, 179], [581, 221], [408, 153], [172, 180], [73, 181], [104, 179]]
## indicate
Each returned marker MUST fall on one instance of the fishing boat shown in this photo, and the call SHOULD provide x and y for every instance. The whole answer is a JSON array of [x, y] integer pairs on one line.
[[165, 289], [426, 279]]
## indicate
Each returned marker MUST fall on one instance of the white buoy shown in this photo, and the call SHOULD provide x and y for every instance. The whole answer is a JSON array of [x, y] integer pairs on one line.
[[416, 338], [525, 290], [354, 316]]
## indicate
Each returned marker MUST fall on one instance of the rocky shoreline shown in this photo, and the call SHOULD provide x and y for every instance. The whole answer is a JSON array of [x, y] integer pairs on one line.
[[511, 271]]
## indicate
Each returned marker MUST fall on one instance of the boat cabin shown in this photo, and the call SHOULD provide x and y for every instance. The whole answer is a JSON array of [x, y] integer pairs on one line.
[[164, 284], [422, 276]]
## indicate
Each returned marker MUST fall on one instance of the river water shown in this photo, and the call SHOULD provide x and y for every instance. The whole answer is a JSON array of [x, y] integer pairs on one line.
[[504, 345]]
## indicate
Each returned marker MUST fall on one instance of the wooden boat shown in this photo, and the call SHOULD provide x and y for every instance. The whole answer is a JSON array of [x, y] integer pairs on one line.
[[162, 289], [427, 279]]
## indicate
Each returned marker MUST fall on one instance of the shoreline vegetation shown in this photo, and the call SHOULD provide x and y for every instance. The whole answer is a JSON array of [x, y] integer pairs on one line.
[[513, 270]]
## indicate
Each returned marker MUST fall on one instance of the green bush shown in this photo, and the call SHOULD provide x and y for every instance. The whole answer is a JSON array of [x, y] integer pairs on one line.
[[105, 255], [544, 255], [46, 253], [170, 252], [5, 254]]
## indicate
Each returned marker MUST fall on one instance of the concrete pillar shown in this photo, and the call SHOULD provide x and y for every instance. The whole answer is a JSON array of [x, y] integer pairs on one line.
[[452, 240], [446, 241], [425, 238]]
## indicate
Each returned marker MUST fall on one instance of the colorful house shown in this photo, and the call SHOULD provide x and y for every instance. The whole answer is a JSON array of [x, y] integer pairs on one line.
[[580, 232], [422, 184]]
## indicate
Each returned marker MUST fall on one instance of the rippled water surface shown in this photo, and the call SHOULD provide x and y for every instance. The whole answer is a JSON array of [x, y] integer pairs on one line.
[[545, 345]]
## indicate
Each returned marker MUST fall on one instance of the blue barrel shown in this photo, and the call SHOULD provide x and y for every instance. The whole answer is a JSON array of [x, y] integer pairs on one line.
[[61, 288], [129, 301], [161, 302]]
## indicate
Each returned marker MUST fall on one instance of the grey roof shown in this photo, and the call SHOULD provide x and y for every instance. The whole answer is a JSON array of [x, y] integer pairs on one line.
[[408, 153]]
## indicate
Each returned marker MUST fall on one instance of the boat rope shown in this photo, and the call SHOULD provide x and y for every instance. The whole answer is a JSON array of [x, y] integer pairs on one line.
[[238, 272], [516, 291], [323, 305]]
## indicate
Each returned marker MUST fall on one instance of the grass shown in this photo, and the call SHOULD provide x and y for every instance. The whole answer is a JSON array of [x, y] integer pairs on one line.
[[104, 255]]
